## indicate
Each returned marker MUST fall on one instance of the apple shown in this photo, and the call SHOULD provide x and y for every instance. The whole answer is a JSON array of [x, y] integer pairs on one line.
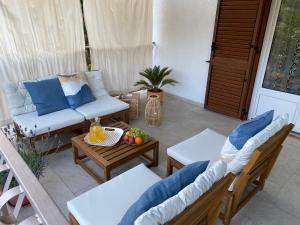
[[125, 138], [131, 140]]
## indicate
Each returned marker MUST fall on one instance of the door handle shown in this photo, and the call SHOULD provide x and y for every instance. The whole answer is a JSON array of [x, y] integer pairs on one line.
[[256, 48], [208, 61]]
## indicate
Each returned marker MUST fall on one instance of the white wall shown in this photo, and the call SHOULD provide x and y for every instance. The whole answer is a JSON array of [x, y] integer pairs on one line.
[[183, 32]]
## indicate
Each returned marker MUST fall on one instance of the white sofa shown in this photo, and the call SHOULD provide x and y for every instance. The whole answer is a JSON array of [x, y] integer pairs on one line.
[[24, 114], [251, 165], [107, 203], [210, 145]]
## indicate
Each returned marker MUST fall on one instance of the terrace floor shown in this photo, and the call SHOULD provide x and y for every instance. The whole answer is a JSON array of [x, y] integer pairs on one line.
[[278, 204]]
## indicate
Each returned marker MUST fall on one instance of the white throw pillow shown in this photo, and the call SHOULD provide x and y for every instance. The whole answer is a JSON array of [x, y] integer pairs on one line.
[[18, 98], [243, 156], [96, 84], [228, 151], [173, 206]]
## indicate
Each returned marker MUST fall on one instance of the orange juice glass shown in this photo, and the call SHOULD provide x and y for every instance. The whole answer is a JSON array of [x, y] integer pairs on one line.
[[93, 134]]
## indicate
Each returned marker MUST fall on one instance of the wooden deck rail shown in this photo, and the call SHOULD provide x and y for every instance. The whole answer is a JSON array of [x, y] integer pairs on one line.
[[46, 212]]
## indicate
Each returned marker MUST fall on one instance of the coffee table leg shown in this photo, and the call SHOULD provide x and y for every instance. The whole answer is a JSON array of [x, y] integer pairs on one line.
[[106, 172], [75, 154]]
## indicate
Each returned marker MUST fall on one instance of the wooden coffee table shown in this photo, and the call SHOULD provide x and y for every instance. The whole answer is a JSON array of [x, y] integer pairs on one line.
[[109, 158]]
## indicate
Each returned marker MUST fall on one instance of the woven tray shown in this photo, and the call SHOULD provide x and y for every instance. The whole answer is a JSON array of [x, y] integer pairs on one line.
[[112, 134]]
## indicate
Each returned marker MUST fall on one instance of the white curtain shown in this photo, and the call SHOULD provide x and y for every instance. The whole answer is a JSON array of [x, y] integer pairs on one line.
[[120, 39], [38, 38]]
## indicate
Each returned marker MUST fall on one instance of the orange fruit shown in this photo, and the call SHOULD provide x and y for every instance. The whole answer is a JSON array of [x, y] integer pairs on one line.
[[138, 140]]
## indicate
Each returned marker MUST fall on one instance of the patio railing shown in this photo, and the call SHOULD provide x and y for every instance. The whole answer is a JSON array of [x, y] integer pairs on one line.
[[46, 212]]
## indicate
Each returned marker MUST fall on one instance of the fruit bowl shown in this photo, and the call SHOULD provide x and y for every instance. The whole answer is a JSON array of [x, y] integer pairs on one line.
[[135, 136], [126, 142]]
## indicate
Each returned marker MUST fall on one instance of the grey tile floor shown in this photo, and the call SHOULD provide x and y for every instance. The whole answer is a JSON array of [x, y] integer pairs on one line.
[[277, 204]]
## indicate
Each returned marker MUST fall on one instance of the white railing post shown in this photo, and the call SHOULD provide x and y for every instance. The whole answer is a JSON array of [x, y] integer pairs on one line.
[[46, 212]]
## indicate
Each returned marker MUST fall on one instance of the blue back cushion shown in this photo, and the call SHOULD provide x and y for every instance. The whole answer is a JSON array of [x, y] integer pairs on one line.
[[240, 135], [84, 96], [76, 90], [162, 190], [47, 96]]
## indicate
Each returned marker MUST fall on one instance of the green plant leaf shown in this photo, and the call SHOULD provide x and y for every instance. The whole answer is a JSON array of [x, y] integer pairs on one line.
[[163, 74], [156, 77], [143, 83], [168, 81], [35, 161]]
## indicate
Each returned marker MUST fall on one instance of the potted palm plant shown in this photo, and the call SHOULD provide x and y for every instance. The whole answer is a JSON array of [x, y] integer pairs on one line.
[[156, 78]]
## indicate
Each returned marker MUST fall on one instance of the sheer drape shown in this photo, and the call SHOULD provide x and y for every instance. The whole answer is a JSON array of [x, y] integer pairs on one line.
[[120, 39], [38, 38]]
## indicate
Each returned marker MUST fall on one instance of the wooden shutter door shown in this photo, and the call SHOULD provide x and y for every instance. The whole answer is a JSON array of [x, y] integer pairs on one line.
[[239, 31]]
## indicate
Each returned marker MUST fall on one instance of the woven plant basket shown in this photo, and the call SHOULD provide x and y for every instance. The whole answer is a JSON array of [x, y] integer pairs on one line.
[[153, 111], [134, 101]]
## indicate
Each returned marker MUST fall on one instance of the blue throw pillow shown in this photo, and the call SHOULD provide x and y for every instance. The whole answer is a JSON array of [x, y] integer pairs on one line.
[[162, 190], [76, 90], [240, 135], [47, 96]]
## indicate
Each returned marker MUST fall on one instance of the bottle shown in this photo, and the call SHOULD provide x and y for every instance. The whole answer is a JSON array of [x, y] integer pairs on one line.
[[100, 134], [93, 135]]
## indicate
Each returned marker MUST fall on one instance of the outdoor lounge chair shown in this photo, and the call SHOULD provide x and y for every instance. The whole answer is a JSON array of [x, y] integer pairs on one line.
[[107, 203], [253, 175]]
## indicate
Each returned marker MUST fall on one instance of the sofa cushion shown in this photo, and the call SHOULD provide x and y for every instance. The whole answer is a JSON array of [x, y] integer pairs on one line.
[[95, 80], [163, 190], [243, 156], [47, 96], [169, 209], [18, 101], [18, 98], [241, 134], [228, 151], [76, 89], [203, 146], [36, 125], [104, 105], [107, 203]]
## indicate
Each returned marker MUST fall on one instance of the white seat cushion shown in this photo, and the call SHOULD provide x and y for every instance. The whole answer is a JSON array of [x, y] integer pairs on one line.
[[49, 122], [104, 105], [107, 203], [206, 145]]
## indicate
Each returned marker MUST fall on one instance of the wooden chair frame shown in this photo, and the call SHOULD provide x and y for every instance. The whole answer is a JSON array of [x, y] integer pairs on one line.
[[204, 211], [82, 127], [253, 176]]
